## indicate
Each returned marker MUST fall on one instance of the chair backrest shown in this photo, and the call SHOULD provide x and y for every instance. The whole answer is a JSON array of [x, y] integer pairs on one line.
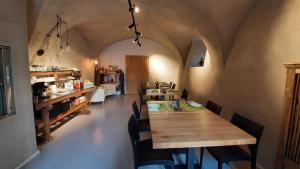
[[252, 128], [134, 135], [133, 129], [141, 96], [174, 86], [136, 111], [185, 94], [214, 107], [143, 89]]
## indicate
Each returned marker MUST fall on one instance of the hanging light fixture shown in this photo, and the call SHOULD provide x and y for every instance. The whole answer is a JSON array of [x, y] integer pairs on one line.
[[58, 29], [134, 9]]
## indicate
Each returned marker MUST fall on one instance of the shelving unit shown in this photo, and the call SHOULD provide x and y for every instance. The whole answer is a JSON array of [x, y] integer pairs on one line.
[[44, 106], [40, 124], [52, 73]]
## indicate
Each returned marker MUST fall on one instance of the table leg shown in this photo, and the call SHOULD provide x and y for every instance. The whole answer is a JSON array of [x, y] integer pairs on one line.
[[46, 119], [190, 158], [201, 157]]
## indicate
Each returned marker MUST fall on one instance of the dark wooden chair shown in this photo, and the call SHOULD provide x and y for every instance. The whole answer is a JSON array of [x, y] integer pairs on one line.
[[214, 107], [143, 152], [142, 101], [173, 86], [143, 124], [185, 94], [235, 153], [143, 88]]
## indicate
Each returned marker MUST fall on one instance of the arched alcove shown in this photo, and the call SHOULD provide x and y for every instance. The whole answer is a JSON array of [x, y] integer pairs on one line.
[[164, 65]]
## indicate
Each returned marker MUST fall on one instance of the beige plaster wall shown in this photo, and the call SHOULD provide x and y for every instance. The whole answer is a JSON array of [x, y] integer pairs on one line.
[[78, 55], [17, 133], [163, 64], [253, 79], [254, 76], [203, 82]]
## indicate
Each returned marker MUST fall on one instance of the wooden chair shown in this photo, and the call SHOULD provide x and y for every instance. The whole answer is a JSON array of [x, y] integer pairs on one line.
[[173, 86], [143, 88], [235, 153], [143, 152], [142, 101], [185, 94], [143, 124], [214, 107]]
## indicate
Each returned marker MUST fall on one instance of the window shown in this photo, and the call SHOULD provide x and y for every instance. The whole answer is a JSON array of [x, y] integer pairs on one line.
[[7, 105]]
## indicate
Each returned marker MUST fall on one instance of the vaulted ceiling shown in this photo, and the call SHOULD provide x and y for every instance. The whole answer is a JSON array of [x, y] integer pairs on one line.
[[173, 23]]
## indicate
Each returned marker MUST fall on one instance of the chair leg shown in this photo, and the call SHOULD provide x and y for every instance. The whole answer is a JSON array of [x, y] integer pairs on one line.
[[220, 165], [253, 164], [169, 167], [201, 157]]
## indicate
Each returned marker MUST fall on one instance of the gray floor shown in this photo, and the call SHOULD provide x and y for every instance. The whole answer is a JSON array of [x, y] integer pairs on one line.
[[95, 141]]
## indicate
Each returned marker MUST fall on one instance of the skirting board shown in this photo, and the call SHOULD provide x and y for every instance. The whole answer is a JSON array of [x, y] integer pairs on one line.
[[28, 159], [258, 166]]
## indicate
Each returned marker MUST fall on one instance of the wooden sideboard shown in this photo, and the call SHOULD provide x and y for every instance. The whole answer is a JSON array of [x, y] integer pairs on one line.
[[46, 105]]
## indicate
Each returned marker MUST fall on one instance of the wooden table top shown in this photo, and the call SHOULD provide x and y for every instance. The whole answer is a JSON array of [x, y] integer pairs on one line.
[[200, 128], [58, 98]]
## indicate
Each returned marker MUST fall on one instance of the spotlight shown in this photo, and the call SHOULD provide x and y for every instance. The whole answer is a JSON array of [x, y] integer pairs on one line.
[[131, 26], [136, 9], [131, 9], [40, 52], [138, 33], [139, 43], [136, 40]]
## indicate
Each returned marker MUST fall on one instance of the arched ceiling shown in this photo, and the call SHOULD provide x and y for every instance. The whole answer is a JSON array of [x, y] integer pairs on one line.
[[173, 23]]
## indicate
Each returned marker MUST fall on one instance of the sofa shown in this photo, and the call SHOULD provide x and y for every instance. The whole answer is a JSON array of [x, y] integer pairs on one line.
[[109, 89], [98, 95], [102, 91]]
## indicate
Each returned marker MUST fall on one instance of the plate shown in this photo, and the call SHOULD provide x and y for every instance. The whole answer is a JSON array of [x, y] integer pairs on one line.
[[195, 104]]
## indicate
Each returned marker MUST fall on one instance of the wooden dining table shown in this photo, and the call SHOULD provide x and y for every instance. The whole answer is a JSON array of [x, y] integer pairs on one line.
[[192, 127], [160, 85], [158, 92]]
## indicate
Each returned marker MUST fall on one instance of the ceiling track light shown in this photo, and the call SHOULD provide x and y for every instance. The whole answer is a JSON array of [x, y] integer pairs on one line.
[[131, 26], [134, 9], [138, 33]]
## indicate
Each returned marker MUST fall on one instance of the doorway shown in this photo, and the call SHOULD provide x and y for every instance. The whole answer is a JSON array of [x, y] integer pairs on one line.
[[137, 72]]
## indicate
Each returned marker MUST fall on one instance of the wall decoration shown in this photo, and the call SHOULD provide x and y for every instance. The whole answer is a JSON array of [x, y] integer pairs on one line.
[[7, 101], [57, 28]]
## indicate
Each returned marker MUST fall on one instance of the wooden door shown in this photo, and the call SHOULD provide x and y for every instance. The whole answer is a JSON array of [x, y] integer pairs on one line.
[[136, 72]]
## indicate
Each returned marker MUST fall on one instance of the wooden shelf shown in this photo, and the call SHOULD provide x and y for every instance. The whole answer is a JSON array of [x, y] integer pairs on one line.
[[53, 73], [73, 109], [53, 100]]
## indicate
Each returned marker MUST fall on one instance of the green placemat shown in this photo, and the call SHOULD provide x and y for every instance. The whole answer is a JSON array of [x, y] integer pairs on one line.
[[163, 107], [188, 107]]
